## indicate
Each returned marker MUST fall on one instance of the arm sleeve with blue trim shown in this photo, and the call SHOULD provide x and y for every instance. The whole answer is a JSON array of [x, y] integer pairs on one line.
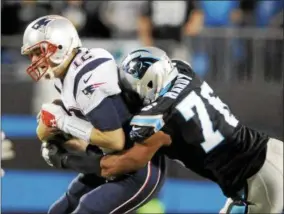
[[151, 119], [110, 114]]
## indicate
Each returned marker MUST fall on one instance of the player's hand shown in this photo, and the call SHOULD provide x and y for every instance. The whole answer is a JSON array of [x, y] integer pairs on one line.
[[44, 132], [52, 155], [53, 115], [160, 137], [106, 164]]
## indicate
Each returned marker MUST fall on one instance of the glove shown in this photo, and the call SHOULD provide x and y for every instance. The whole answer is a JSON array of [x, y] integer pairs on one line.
[[53, 115], [52, 155]]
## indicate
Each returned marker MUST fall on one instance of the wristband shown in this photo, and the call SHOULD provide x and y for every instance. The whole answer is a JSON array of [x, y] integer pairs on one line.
[[77, 127]]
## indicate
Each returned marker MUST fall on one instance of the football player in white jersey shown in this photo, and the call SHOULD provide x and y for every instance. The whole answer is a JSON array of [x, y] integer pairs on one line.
[[94, 112], [206, 136]]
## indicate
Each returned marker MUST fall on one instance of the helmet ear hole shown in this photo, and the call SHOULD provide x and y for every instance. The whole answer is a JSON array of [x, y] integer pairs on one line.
[[150, 84]]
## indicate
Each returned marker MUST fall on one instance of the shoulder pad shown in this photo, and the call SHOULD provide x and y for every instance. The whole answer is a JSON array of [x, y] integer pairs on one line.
[[100, 52], [184, 68]]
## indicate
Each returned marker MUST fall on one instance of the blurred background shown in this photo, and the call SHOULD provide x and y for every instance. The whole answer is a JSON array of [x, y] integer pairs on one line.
[[237, 46]]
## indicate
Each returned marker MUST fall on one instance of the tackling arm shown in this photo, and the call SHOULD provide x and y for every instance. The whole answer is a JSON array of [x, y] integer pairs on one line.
[[146, 132], [134, 158]]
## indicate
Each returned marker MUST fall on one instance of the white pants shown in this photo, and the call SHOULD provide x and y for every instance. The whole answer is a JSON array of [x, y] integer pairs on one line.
[[265, 188]]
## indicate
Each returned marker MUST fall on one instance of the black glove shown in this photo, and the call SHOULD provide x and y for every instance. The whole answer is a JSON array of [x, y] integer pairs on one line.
[[52, 155], [85, 162]]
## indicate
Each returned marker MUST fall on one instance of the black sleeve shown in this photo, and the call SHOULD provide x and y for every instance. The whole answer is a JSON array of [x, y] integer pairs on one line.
[[139, 133], [151, 119]]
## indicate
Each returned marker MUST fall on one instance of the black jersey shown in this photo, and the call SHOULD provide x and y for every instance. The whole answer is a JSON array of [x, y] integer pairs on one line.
[[204, 131]]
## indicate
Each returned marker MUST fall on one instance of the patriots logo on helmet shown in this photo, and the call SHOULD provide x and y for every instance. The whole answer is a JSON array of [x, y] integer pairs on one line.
[[41, 23], [89, 90]]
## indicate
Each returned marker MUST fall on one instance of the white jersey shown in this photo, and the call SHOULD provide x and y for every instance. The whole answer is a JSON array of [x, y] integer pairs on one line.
[[91, 77]]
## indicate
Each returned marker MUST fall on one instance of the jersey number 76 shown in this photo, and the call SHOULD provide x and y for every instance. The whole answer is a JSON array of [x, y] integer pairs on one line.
[[211, 138]]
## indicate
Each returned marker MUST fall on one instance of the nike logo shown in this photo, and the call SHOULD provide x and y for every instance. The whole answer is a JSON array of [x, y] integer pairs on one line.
[[86, 80], [135, 128]]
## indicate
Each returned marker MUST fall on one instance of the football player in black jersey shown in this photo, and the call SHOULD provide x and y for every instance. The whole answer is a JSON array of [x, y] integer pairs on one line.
[[206, 136]]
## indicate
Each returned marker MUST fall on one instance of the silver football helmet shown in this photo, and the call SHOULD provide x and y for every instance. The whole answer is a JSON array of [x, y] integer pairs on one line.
[[53, 38], [147, 71]]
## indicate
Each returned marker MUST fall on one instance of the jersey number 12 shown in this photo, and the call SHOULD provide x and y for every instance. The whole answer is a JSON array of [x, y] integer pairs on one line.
[[211, 138]]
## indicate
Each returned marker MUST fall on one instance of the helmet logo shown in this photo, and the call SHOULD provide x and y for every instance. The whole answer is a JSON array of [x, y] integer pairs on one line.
[[40, 24], [139, 65]]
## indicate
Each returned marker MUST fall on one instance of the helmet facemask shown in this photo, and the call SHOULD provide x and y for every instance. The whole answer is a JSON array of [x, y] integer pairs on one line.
[[157, 77], [42, 65], [148, 92]]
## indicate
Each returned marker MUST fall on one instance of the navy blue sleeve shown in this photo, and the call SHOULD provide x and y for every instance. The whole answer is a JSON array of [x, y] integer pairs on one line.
[[110, 114]]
